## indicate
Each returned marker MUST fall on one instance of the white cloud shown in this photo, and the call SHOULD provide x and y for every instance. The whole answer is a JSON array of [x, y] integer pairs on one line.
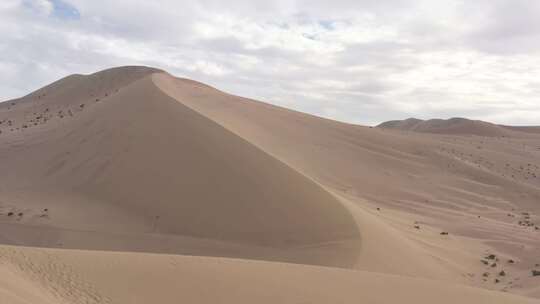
[[361, 61], [42, 7]]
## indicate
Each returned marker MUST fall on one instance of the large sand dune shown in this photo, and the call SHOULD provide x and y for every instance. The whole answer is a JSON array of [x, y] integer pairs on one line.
[[135, 160], [480, 188], [139, 162]]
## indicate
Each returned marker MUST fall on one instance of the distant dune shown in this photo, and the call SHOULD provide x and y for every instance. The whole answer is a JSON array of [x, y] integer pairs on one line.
[[133, 185], [458, 126]]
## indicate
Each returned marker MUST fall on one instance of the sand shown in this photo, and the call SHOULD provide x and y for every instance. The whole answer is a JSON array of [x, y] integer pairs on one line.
[[76, 277], [137, 187]]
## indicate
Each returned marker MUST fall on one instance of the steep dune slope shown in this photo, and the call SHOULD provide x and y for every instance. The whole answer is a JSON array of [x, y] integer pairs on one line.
[[476, 188], [140, 162]]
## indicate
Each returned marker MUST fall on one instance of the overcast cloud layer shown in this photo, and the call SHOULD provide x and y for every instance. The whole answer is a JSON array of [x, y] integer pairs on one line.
[[360, 61]]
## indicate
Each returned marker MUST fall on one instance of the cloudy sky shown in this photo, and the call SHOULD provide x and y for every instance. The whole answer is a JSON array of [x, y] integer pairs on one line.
[[360, 61]]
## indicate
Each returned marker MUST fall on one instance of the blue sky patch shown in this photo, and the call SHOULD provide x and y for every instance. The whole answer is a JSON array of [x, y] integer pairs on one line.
[[327, 24], [65, 10]]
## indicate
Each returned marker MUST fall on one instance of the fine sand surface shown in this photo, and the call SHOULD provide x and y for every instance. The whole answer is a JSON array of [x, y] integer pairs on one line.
[[72, 276], [133, 186]]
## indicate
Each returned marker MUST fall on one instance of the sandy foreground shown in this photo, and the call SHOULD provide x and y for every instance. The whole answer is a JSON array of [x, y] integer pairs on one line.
[[133, 186], [72, 276]]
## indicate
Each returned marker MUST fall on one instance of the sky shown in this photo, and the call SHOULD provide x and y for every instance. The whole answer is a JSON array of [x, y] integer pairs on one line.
[[359, 61]]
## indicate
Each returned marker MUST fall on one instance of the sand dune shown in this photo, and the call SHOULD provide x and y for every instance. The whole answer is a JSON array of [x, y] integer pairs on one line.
[[140, 162], [136, 161], [457, 126], [464, 185]]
